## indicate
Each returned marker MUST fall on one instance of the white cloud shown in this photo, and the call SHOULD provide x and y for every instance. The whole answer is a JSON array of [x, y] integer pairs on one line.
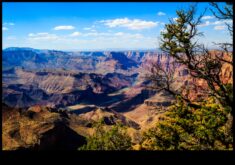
[[129, 35], [98, 40], [135, 24], [161, 13], [9, 23], [67, 27], [91, 28], [137, 36], [175, 19], [228, 21], [119, 34], [75, 34], [217, 23], [163, 31], [207, 17], [96, 34], [4, 28], [220, 27], [222, 22], [110, 35], [42, 36], [87, 28], [207, 23], [37, 34], [11, 38], [90, 34]]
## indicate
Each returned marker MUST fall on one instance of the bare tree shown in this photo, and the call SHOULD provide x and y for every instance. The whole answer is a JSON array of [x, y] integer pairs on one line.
[[162, 77]]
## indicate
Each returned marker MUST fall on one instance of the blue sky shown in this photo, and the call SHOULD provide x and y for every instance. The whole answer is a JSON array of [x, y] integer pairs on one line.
[[97, 26]]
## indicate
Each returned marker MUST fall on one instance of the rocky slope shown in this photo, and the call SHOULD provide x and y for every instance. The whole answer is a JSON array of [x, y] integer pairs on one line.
[[37, 129], [44, 128]]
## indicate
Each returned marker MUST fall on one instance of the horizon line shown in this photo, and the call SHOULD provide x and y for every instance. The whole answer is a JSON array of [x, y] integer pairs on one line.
[[105, 49]]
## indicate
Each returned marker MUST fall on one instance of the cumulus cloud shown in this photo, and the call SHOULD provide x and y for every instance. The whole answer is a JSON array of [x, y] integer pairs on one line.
[[207, 17], [135, 24], [42, 36], [64, 27], [98, 40], [75, 34], [222, 22], [161, 13], [220, 27], [4, 28]]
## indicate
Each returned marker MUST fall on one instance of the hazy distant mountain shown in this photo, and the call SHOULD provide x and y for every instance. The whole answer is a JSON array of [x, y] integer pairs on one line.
[[51, 59]]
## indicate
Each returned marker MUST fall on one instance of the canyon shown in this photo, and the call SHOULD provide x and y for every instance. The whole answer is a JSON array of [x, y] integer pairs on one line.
[[44, 91]]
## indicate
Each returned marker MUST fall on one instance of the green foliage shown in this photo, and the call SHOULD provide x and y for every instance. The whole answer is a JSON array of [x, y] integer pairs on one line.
[[186, 128], [178, 34], [113, 139]]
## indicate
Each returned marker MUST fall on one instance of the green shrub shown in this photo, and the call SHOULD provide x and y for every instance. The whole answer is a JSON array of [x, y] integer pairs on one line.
[[113, 139]]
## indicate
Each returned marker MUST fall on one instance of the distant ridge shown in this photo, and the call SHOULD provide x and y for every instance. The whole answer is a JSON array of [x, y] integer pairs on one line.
[[85, 50], [18, 48]]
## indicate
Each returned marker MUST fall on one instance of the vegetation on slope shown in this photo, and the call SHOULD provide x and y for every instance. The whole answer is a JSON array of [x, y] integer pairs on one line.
[[112, 139], [188, 128]]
